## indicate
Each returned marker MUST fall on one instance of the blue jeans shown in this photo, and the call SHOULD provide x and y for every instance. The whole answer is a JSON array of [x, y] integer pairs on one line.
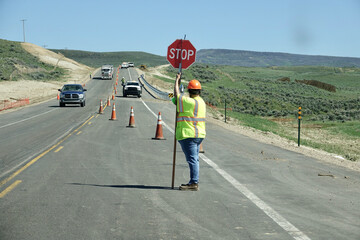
[[191, 147]]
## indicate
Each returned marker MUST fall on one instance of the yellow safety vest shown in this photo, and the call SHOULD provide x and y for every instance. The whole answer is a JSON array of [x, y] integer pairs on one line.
[[191, 117]]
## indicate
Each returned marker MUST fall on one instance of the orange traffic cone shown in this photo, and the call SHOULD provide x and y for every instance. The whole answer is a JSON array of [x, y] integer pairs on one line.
[[113, 97], [101, 110], [108, 102], [113, 114], [58, 97], [159, 131], [132, 118], [201, 149]]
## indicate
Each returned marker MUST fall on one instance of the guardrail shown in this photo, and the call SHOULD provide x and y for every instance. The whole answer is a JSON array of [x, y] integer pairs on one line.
[[160, 94]]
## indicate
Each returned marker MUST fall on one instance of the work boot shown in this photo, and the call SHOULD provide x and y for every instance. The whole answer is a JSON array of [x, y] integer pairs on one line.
[[189, 187]]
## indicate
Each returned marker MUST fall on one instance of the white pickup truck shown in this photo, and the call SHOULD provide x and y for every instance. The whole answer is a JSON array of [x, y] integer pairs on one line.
[[132, 88]]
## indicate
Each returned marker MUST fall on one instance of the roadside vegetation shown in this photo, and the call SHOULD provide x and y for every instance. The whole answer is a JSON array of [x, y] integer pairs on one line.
[[16, 63], [268, 99], [97, 59]]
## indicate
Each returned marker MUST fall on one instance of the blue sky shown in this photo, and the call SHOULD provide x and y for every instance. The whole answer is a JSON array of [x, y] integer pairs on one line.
[[314, 27]]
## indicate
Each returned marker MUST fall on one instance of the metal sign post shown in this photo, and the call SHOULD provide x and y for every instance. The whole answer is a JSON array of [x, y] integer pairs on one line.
[[176, 116], [181, 54]]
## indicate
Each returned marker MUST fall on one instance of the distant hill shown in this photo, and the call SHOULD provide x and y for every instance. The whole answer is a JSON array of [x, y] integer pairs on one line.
[[97, 59], [265, 59], [212, 56]]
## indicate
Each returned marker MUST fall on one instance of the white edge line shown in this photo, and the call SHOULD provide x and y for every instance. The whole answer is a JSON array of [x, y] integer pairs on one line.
[[276, 217], [25, 119]]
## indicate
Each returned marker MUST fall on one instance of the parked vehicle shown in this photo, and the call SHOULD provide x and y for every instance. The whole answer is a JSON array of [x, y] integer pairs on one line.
[[72, 94], [132, 88], [107, 71], [131, 64]]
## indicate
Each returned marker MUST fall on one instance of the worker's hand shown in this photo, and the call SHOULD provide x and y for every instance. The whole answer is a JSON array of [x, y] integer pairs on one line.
[[178, 77]]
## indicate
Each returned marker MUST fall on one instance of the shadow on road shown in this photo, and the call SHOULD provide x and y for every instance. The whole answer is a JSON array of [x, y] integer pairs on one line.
[[123, 186]]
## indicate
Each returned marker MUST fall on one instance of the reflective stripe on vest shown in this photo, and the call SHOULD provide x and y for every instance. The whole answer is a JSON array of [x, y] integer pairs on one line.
[[190, 119], [181, 107]]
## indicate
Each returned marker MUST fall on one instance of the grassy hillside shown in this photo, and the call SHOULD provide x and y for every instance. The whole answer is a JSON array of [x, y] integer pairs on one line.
[[265, 59], [260, 92], [260, 98], [16, 63], [97, 59]]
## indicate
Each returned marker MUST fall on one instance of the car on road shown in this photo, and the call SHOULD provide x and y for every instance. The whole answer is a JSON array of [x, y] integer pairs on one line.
[[131, 64], [124, 65], [132, 88], [72, 94]]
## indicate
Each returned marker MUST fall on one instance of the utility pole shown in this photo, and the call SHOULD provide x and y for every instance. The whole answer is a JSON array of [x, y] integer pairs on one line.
[[23, 20]]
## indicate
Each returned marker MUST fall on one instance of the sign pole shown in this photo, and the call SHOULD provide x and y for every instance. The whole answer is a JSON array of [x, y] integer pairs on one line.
[[176, 116]]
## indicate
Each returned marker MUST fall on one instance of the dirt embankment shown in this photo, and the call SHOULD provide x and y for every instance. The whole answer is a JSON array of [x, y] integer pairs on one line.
[[37, 91]]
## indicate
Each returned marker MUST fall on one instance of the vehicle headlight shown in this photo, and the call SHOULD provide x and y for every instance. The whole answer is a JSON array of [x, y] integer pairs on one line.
[[81, 95], [62, 95]]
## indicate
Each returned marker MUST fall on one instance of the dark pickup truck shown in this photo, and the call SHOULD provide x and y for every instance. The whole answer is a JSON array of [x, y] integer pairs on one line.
[[72, 94]]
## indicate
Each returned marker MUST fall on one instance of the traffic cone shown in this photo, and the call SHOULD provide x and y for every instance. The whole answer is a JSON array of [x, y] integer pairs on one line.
[[113, 97], [159, 131], [201, 149], [113, 114], [58, 97], [108, 102], [132, 118], [101, 110]]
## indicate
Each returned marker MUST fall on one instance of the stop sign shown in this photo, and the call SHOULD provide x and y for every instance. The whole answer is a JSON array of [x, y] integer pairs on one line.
[[181, 51]]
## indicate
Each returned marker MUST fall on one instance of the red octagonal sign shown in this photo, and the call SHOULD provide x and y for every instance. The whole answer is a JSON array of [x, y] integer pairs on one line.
[[181, 51]]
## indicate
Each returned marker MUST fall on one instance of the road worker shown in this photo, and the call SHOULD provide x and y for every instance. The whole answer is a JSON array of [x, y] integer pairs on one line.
[[190, 127], [123, 81]]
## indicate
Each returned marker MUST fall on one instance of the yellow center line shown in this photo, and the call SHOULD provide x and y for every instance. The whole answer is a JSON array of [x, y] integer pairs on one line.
[[11, 187], [57, 150], [79, 132], [40, 156]]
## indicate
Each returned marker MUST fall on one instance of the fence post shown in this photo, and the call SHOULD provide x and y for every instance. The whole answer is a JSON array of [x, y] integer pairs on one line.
[[225, 110], [299, 120]]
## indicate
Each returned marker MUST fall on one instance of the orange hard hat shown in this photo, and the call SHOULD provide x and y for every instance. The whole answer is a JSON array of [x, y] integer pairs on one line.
[[194, 84]]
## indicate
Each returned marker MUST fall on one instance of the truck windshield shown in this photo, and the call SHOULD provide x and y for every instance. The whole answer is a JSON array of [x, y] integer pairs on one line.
[[72, 88]]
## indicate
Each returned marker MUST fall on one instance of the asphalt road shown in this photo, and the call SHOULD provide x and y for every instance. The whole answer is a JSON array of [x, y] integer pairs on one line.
[[70, 173]]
